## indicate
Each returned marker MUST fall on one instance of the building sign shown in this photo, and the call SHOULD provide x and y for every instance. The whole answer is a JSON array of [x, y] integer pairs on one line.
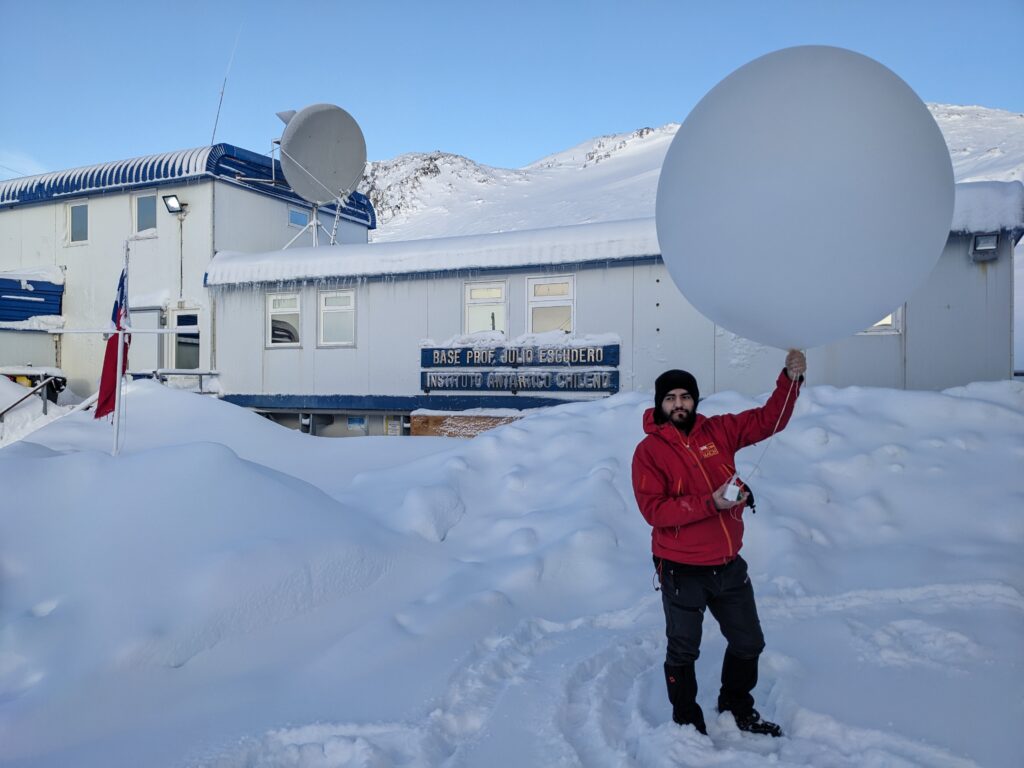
[[517, 369], [522, 380], [505, 357]]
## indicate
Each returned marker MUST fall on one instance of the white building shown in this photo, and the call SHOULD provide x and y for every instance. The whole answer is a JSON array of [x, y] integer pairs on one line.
[[63, 234], [352, 339]]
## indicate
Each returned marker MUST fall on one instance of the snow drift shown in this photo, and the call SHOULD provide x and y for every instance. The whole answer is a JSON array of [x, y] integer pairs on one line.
[[229, 593]]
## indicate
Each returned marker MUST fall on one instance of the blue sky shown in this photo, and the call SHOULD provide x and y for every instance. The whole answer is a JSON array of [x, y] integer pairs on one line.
[[503, 83]]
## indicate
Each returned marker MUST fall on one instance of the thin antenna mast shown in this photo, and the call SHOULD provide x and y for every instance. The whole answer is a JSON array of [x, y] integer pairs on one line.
[[224, 85]]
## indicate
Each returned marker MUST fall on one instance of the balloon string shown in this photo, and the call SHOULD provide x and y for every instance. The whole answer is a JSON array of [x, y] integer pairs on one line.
[[775, 429]]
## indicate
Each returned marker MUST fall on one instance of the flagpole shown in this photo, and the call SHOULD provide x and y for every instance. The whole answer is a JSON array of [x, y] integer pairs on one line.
[[117, 393], [120, 360]]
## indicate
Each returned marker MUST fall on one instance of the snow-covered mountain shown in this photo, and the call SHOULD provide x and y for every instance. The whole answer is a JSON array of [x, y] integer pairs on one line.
[[435, 195], [403, 186], [438, 194], [985, 144]]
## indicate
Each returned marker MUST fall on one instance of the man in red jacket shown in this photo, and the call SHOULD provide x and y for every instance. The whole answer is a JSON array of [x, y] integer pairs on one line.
[[681, 472]]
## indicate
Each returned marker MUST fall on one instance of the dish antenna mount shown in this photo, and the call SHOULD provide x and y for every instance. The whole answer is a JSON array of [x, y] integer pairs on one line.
[[323, 156]]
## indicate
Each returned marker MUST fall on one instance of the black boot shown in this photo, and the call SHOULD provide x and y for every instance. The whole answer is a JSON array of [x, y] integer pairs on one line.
[[681, 682], [739, 676], [751, 722]]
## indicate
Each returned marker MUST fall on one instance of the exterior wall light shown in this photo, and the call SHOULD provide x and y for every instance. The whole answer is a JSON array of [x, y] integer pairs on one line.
[[985, 247], [173, 204]]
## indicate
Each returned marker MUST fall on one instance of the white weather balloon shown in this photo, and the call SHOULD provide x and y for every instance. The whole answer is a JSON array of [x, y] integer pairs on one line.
[[805, 197]]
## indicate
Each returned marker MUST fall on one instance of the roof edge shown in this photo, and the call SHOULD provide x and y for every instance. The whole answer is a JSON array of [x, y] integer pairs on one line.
[[218, 161]]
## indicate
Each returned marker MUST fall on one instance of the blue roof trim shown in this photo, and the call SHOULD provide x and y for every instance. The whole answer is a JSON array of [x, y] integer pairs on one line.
[[311, 403], [232, 163], [220, 161], [18, 303]]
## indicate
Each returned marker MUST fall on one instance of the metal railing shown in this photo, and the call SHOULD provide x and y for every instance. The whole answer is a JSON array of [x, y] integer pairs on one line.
[[27, 395]]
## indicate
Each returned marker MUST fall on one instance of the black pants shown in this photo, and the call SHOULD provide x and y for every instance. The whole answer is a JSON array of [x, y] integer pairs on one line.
[[686, 590]]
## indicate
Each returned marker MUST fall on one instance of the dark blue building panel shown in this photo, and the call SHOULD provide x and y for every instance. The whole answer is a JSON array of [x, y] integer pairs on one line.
[[22, 299]]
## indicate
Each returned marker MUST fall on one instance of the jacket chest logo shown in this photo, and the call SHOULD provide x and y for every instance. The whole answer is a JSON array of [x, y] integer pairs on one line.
[[708, 450]]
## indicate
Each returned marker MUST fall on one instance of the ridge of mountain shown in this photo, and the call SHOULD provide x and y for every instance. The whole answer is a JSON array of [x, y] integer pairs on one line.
[[615, 176]]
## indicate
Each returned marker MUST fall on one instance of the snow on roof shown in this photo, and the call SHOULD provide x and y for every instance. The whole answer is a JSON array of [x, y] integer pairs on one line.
[[494, 339], [30, 370], [607, 241], [489, 412], [988, 206], [34, 323], [45, 274]]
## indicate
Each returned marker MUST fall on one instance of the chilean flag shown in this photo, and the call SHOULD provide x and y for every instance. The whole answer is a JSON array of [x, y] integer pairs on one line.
[[109, 378]]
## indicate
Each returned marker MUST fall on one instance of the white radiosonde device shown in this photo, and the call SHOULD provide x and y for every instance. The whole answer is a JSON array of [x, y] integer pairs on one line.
[[732, 490]]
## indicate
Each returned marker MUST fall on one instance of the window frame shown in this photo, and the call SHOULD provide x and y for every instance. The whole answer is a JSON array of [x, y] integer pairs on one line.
[[70, 218], [893, 329], [176, 315], [151, 231], [303, 211], [268, 330], [322, 310], [468, 302], [560, 301]]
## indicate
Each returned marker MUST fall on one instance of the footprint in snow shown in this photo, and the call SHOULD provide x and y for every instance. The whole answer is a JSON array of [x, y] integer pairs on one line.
[[514, 480], [912, 642], [456, 464], [815, 437], [522, 541]]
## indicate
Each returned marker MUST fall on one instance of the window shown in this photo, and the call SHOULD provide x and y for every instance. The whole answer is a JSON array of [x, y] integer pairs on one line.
[[186, 341], [337, 318], [297, 217], [550, 303], [283, 319], [891, 323], [485, 307], [145, 213], [78, 215]]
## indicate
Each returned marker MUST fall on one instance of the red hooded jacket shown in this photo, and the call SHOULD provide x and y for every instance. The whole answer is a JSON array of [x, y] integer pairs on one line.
[[674, 475]]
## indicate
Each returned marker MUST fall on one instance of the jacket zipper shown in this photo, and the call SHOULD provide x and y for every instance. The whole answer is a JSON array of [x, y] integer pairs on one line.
[[721, 522], [728, 538], [700, 466], [730, 471]]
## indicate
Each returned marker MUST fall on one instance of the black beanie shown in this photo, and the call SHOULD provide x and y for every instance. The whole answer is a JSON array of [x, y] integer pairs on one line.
[[669, 380]]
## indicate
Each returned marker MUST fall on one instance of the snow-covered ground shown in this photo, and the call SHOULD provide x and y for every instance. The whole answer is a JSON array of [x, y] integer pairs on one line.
[[27, 416], [229, 593]]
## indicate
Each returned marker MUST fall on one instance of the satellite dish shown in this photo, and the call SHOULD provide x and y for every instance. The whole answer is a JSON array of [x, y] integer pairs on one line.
[[323, 153]]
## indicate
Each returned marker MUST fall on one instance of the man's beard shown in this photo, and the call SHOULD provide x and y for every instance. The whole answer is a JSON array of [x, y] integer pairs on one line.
[[684, 423]]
